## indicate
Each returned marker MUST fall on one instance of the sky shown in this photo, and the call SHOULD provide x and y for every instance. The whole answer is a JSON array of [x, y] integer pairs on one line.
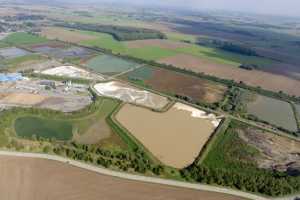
[[276, 7]]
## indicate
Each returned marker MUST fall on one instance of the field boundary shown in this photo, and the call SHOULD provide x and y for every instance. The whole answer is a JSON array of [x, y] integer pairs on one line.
[[297, 115], [128, 138], [211, 141]]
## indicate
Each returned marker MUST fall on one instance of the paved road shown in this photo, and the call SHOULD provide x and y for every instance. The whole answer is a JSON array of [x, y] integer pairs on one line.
[[135, 177]]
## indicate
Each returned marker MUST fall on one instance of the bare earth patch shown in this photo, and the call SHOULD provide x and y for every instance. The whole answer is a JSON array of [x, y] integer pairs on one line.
[[131, 94], [37, 179], [254, 78], [278, 152], [195, 88], [164, 44], [175, 137], [65, 35], [23, 99]]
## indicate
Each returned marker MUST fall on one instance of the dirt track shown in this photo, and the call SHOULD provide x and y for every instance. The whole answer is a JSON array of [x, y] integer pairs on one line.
[[37, 179], [255, 78]]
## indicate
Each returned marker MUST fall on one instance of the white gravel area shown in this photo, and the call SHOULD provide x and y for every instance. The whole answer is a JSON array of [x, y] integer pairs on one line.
[[71, 71], [198, 113], [130, 94]]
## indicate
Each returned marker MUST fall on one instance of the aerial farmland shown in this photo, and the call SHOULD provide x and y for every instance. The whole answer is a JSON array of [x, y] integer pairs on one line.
[[183, 105], [199, 90], [273, 111], [182, 131]]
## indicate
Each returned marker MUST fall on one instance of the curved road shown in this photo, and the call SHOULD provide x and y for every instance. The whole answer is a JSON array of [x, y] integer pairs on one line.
[[135, 177]]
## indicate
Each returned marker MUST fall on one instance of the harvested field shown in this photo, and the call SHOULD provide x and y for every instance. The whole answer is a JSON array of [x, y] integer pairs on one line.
[[16, 172], [130, 94], [254, 78], [109, 65], [274, 111], [66, 35], [167, 134], [23, 99], [164, 44], [71, 71], [45, 128], [176, 83], [12, 52], [276, 152]]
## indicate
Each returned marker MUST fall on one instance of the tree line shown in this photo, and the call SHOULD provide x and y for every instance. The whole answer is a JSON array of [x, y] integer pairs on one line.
[[120, 33]]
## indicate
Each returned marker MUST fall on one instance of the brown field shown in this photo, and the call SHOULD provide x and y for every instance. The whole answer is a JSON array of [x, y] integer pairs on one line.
[[164, 44], [28, 179], [197, 89], [167, 134], [65, 35], [255, 78], [23, 99]]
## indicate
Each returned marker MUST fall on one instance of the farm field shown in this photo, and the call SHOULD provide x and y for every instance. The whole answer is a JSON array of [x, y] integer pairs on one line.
[[130, 94], [163, 133], [17, 171], [19, 62], [109, 65], [176, 83], [103, 40], [21, 38], [12, 52], [203, 59], [61, 51], [65, 35], [254, 78], [274, 111], [46, 128]]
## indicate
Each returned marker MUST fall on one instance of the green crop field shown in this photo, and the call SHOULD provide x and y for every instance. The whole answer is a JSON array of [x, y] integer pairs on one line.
[[46, 128], [23, 39], [109, 65], [105, 41], [274, 111], [150, 53], [3, 44], [155, 53], [11, 63], [142, 74]]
